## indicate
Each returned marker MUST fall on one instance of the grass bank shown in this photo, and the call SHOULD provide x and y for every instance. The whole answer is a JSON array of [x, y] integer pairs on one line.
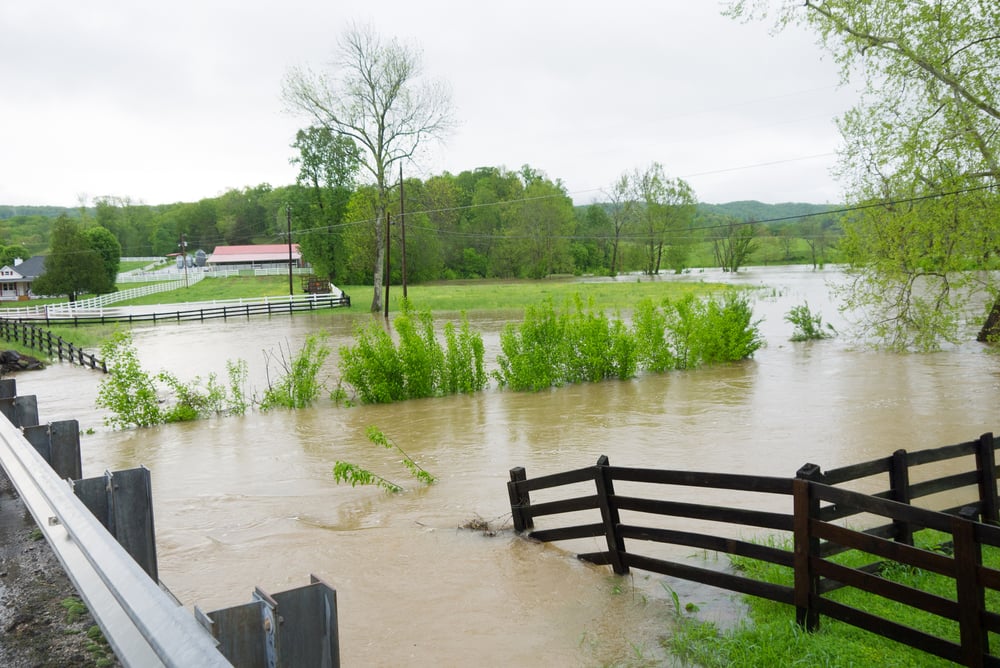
[[770, 636]]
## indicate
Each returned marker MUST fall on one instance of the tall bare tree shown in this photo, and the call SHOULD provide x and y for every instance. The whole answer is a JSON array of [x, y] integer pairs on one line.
[[374, 95], [622, 210]]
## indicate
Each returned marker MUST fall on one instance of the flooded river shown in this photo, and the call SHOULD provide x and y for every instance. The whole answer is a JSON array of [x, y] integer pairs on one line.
[[242, 502]]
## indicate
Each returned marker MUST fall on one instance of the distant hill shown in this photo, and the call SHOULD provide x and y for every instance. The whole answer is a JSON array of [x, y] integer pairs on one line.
[[7, 211], [754, 210]]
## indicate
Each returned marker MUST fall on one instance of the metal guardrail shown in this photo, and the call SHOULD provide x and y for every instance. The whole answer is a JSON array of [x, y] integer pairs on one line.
[[143, 624]]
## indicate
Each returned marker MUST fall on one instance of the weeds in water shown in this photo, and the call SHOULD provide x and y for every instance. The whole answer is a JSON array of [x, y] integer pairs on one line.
[[808, 325], [380, 371], [356, 475], [551, 348], [128, 391], [299, 385], [132, 394]]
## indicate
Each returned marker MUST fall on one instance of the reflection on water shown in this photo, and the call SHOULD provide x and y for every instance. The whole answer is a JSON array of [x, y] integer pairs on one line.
[[251, 501]]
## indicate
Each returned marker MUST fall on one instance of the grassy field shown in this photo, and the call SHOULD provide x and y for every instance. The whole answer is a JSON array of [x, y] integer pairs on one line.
[[454, 296]]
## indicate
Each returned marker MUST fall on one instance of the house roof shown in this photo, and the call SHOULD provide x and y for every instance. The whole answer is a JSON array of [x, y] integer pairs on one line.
[[255, 253], [30, 269]]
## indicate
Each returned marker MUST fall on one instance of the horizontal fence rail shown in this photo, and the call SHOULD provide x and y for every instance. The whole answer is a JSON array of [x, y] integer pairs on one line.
[[200, 311], [817, 509]]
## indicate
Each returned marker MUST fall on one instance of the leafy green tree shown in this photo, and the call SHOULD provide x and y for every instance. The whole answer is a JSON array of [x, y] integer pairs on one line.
[[104, 243], [10, 254], [327, 164], [666, 211], [374, 98], [922, 151], [537, 240], [72, 267]]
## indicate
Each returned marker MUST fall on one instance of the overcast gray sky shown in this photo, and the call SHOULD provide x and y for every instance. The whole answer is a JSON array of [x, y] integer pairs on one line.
[[166, 102]]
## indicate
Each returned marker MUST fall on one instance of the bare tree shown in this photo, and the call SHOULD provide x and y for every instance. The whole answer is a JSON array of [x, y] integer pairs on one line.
[[622, 210], [373, 94], [733, 243]]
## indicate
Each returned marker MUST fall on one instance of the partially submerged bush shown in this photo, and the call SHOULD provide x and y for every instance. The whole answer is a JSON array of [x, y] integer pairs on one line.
[[808, 325], [380, 371], [550, 349]]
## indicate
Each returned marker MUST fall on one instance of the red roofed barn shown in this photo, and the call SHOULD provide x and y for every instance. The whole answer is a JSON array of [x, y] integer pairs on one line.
[[260, 254]]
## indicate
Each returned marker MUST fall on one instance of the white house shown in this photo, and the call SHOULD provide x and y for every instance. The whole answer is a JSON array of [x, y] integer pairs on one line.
[[15, 282]]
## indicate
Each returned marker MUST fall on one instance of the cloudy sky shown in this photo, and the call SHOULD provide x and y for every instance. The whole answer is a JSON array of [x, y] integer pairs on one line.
[[165, 102]]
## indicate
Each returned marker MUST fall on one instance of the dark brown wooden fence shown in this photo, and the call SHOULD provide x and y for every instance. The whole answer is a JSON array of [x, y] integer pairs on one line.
[[38, 338], [817, 511]]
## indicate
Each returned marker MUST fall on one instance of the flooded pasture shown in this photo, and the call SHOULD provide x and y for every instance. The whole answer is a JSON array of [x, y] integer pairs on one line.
[[251, 501]]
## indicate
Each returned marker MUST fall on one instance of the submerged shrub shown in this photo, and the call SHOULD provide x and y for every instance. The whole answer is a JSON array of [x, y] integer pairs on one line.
[[299, 386], [380, 371], [808, 325], [550, 349], [649, 331], [128, 391]]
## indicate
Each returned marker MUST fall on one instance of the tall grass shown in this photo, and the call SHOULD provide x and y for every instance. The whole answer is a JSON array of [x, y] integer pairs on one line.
[[381, 371], [552, 348]]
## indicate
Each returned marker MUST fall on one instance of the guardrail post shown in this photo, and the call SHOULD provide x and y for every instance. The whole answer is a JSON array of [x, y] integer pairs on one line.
[[805, 509], [59, 444], [520, 500], [899, 488], [123, 502], [20, 411], [987, 468], [609, 513], [293, 628], [970, 594]]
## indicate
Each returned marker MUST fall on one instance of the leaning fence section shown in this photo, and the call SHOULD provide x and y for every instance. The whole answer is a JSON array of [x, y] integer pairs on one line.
[[632, 511]]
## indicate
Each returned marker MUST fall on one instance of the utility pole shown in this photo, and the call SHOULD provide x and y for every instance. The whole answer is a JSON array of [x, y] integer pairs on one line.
[[288, 219], [387, 272], [184, 257], [402, 228]]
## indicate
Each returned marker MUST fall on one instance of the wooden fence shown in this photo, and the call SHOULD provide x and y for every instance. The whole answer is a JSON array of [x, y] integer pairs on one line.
[[38, 338], [816, 506], [192, 311]]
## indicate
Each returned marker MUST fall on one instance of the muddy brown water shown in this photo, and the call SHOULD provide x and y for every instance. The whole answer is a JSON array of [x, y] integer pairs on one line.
[[244, 502]]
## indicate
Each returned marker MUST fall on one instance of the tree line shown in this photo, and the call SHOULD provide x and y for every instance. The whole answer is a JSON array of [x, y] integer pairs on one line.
[[483, 223]]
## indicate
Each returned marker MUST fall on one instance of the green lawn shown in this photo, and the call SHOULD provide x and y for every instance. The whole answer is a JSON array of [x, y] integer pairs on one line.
[[452, 296]]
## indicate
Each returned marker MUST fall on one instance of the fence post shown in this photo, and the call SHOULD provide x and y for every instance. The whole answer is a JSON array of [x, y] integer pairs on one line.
[[805, 509], [987, 468], [609, 513], [519, 500], [971, 597], [899, 489]]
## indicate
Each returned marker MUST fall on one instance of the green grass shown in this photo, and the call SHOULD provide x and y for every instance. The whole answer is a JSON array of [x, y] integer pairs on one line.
[[770, 636], [452, 296]]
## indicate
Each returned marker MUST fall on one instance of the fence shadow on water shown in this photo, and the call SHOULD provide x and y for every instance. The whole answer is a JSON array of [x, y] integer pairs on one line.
[[634, 508]]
